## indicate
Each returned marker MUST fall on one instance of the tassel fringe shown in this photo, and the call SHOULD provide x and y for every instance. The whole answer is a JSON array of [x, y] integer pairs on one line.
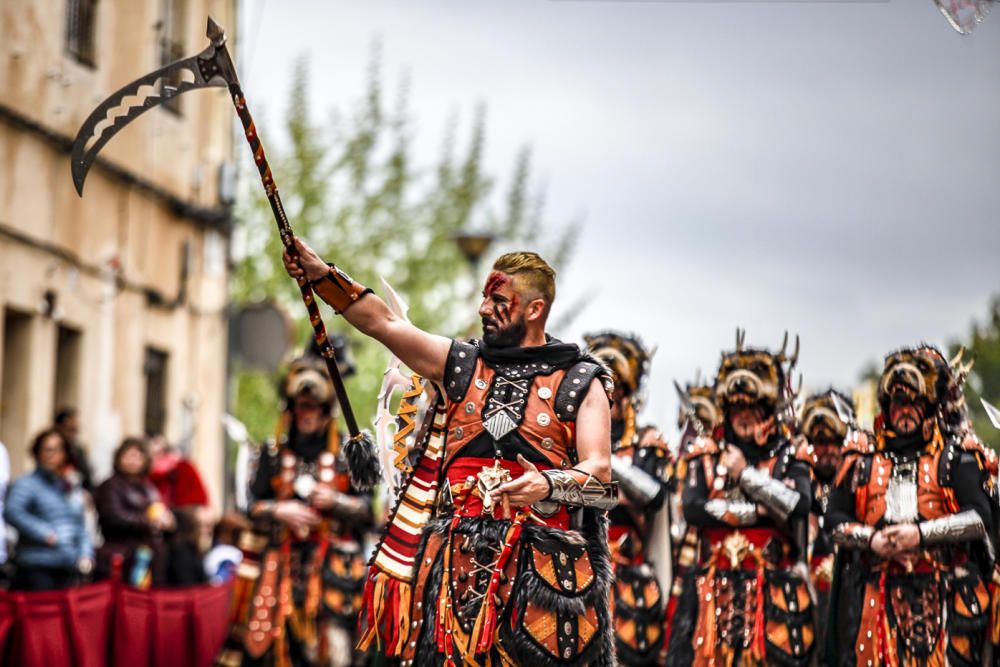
[[385, 618]]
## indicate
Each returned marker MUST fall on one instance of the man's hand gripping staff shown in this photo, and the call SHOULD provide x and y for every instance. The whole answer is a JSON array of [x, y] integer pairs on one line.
[[214, 67]]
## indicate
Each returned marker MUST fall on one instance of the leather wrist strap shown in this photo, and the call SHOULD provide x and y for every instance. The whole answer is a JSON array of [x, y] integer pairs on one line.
[[338, 289]]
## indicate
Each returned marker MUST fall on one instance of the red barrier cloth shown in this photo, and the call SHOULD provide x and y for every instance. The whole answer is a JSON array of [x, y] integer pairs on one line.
[[167, 627], [109, 624], [69, 627], [7, 614]]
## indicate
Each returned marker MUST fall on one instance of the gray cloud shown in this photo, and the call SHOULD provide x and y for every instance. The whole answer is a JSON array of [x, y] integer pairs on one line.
[[831, 168]]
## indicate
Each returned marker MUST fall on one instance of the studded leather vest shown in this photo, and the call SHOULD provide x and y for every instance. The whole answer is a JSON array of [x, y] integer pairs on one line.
[[529, 407], [888, 491]]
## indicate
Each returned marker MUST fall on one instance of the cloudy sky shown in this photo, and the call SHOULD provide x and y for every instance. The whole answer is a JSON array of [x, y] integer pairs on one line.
[[832, 168]]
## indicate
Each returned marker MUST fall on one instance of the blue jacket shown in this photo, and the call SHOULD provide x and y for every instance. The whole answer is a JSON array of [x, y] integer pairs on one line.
[[39, 506]]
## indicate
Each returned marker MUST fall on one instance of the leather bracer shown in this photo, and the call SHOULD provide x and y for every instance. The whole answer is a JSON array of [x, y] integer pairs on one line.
[[338, 289]]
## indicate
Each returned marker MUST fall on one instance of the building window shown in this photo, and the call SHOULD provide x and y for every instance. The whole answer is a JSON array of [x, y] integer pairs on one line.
[[14, 389], [68, 361], [172, 24], [81, 19], [155, 369]]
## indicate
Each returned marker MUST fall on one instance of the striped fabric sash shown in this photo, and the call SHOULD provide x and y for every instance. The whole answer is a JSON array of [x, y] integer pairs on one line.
[[385, 615]]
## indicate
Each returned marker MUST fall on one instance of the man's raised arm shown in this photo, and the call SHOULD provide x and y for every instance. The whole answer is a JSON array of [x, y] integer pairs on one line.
[[424, 353]]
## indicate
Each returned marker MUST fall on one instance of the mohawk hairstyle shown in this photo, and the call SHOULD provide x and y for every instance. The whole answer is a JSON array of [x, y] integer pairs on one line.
[[533, 272]]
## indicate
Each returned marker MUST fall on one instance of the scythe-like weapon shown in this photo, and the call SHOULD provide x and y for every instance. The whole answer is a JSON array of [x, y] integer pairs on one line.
[[212, 68]]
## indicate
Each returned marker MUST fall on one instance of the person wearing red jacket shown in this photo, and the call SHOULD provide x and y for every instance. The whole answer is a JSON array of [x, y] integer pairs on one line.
[[174, 476]]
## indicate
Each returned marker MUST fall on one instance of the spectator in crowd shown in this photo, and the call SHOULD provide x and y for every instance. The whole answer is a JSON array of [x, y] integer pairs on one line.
[[132, 519], [174, 476], [182, 490], [53, 546], [68, 424]]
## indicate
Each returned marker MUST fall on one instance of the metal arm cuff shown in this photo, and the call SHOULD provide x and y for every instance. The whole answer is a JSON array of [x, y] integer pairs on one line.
[[965, 526], [640, 487], [338, 289], [769, 492], [350, 507], [733, 512], [853, 535], [573, 487]]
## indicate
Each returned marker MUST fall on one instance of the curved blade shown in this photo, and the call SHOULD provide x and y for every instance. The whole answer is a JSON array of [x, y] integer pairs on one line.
[[964, 15], [211, 68], [690, 412], [992, 412], [393, 380], [845, 413]]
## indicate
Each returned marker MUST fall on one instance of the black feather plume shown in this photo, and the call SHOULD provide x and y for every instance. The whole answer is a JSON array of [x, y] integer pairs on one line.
[[362, 459]]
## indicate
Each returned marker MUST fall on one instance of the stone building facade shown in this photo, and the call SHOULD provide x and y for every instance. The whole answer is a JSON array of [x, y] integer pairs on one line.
[[113, 304]]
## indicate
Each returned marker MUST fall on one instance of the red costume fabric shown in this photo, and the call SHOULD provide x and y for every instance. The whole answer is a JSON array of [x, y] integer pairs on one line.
[[178, 482]]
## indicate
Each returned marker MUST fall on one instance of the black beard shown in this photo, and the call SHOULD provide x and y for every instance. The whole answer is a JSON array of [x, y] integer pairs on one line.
[[511, 336]]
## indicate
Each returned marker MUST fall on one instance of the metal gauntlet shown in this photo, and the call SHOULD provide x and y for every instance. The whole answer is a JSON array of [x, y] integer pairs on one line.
[[338, 289], [853, 535], [573, 487], [640, 487], [769, 492], [350, 507], [965, 526], [733, 512]]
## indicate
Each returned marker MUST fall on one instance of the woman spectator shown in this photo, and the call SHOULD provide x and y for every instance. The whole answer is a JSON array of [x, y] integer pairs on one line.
[[53, 546], [132, 519]]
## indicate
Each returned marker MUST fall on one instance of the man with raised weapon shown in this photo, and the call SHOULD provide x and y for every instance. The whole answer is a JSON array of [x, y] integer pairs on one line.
[[496, 553]]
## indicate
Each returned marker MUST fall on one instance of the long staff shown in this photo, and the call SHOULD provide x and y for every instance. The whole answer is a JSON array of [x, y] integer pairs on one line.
[[214, 67]]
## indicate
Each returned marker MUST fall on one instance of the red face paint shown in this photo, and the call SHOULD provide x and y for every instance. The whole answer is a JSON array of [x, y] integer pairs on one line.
[[496, 281]]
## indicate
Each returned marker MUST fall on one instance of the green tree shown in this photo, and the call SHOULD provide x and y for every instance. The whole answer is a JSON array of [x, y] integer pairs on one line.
[[354, 188], [984, 380]]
